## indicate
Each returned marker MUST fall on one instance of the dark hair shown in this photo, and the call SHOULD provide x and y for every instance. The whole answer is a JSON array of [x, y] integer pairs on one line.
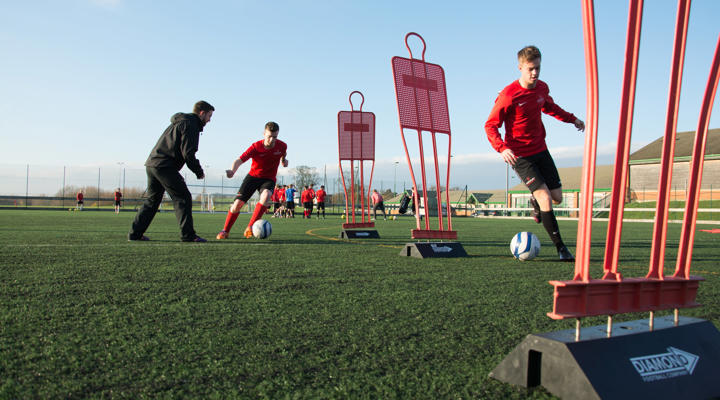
[[272, 126], [529, 53], [202, 105]]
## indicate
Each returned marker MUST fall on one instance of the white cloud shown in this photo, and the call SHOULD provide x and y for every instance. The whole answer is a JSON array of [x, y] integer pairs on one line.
[[603, 149]]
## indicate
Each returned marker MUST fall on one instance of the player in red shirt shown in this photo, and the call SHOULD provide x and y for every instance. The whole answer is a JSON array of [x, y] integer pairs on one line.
[[306, 201], [519, 106], [275, 198], [320, 196], [312, 191], [282, 212], [118, 200], [377, 201], [80, 202], [267, 155], [312, 199]]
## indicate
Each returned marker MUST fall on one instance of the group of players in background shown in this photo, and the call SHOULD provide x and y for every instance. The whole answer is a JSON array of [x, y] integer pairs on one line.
[[283, 199], [519, 107]]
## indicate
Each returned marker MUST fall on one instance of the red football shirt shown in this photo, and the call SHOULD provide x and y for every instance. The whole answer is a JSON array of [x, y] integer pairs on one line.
[[305, 196], [320, 195], [265, 162], [520, 110]]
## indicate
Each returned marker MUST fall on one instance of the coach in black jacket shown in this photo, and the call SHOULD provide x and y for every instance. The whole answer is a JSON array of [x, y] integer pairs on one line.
[[176, 147]]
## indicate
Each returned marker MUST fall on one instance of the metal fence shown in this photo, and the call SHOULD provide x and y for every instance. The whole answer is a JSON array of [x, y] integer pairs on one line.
[[55, 186]]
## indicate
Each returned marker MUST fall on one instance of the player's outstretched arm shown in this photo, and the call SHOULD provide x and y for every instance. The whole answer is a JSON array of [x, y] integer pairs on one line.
[[235, 165]]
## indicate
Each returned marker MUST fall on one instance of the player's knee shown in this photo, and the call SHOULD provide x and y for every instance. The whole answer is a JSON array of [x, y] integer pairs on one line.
[[556, 196], [542, 196]]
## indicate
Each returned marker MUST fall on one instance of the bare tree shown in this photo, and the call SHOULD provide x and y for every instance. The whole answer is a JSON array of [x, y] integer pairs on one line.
[[305, 175]]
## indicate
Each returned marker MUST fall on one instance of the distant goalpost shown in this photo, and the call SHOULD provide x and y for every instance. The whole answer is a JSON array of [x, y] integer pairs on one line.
[[207, 202]]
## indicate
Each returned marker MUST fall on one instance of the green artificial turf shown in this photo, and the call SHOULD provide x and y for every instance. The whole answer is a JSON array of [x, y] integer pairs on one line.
[[86, 314]]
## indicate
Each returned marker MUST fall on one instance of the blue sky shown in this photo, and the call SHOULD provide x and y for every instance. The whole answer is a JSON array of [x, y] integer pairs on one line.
[[94, 82]]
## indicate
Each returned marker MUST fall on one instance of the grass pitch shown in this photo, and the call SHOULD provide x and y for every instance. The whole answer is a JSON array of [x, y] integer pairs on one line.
[[86, 314]]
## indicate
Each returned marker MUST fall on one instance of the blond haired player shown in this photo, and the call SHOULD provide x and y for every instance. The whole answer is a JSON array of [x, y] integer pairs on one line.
[[267, 155]]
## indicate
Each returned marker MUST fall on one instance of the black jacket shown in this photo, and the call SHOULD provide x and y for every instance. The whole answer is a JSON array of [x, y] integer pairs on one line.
[[178, 144]]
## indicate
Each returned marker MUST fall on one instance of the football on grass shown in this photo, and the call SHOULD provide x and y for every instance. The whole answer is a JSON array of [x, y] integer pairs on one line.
[[525, 246], [261, 229]]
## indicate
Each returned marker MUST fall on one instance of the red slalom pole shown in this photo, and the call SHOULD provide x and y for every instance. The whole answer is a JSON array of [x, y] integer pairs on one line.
[[424, 179], [617, 201], [657, 253], [420, 141], [447, 186], [438, 184], [361, 185], [582, 261], [687, 235], [352, 189], [369, 200]]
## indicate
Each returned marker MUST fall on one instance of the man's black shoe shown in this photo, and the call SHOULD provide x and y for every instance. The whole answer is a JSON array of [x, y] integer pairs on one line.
[[142, 238], [197, 239], [565, 254]]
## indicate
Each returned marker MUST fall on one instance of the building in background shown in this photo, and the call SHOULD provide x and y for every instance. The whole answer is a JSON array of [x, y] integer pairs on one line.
[[645, 168]]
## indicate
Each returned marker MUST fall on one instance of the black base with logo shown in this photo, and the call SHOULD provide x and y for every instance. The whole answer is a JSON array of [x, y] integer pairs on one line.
[[670, 362], [433, 249], [359, 234]]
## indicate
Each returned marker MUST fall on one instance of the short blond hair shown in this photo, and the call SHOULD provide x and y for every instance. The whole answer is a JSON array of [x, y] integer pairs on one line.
[[529, 53]]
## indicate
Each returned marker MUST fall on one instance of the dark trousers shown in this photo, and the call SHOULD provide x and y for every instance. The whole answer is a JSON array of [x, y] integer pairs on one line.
[[381, 206], [159, 181]]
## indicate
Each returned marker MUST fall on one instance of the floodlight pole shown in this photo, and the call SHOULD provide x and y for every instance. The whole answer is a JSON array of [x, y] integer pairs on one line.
[[120, 164], [395, 180], [98, 190], [27, 184], [507, 185], [203, 200]]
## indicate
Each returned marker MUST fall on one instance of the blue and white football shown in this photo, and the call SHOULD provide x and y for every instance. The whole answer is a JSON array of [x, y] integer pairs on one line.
[[261, 229], [525, 246]]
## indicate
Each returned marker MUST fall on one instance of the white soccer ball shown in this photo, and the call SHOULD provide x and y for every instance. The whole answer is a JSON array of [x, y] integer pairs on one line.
[[525, 246], [261, 229]]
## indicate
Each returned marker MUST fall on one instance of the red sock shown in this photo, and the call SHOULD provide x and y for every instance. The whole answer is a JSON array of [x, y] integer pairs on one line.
[[257, 214], [230, 220]]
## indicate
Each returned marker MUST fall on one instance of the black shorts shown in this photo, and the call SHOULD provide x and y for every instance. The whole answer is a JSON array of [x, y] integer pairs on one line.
[[251, 184], [290, 205], [308, 204], [276, 205], [536, 170], [117, 202], [379, 206], [321, 205]]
